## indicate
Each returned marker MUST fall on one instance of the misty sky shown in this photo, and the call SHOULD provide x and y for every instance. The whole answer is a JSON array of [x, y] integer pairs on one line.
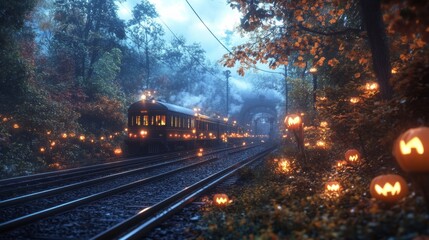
[[222, 21], [177, 14]]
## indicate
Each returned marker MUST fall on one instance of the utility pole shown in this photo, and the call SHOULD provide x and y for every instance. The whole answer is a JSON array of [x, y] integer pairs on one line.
[[286, 92], [227, 75]]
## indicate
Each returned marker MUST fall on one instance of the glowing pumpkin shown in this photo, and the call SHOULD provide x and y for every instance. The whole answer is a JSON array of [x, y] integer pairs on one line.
[[341, 163], [332, 186], [352, 155], [293, 121], [411, 150], [388, 188], [220, 199]]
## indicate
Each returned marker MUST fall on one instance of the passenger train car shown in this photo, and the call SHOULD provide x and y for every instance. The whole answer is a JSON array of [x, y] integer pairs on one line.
[[155, 126]]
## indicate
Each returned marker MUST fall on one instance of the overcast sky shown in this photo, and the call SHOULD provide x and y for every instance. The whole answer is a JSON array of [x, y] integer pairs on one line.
[[218, 16], [177, 14]]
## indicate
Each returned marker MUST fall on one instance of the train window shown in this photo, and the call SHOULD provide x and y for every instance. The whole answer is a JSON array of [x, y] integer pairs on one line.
[[176, 121], [138, 120], [171, 121], [160, 120], [192, 123], [189, 122], [145, 120]]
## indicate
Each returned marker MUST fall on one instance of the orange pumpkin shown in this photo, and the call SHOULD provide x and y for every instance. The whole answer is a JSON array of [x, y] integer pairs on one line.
[[341, 163], [352, 155], [388, 188], [293, 121], [220, 199], [333, 186], [411, 150]]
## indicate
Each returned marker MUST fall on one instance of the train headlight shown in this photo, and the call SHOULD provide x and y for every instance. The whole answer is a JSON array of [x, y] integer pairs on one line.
[[143, 133]]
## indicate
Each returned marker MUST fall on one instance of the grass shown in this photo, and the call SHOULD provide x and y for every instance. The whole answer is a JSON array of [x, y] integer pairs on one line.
[[271, 204]]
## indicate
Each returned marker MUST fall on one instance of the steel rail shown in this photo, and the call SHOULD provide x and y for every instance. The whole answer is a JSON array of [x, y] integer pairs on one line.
[[154, 215], [68, 174], [17, 222], [61, 189], [73, 171]]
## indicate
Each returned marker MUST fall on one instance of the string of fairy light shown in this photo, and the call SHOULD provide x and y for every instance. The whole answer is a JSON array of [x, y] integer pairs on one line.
[[55, 138]]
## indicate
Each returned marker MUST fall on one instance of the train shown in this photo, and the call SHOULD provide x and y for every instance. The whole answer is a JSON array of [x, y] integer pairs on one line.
[[155, 127]]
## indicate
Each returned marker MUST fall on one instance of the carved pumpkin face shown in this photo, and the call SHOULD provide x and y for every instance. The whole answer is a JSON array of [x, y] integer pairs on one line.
[[332, 186], [352, 155], [388, 188], [293, 121], [220, 199], [411, 150], [341, 163]]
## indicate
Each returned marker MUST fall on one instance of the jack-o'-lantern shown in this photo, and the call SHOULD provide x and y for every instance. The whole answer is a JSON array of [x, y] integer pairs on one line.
[[352, 155], [220, 199], [332, 186], [411, 150], [293, 121], [388, 188], [341, 163]]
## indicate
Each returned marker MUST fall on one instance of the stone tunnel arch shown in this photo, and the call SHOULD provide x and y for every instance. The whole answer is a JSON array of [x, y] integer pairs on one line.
[[258, 107]]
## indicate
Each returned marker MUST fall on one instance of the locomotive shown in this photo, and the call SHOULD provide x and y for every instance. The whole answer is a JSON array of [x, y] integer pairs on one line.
[[155, 126]]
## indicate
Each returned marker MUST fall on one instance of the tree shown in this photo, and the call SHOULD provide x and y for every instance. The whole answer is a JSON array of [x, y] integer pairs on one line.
[[146, 38], [317, 31], [185, 64], [87, 29], [13, 68]]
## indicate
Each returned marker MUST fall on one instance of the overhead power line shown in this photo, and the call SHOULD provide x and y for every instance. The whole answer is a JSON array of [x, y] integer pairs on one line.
[[222, 43], [208, 28], [177, 38]]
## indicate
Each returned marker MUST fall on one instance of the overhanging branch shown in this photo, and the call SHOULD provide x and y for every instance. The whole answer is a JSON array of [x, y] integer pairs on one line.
[[344, 31]]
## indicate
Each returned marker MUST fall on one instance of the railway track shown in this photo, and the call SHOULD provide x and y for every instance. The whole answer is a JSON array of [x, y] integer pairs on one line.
[[35, 183], [98, 206]]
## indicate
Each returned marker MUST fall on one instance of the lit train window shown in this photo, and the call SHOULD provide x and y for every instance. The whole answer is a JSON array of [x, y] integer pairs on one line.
[[152, 120], [145, 120], [160, 120], [189, 123], [192, 123], [138, 120], [176, 121]]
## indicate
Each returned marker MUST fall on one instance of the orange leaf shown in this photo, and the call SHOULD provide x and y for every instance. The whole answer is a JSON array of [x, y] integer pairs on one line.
[[332, 62], [299, 18], [321, 60], [363, 61]]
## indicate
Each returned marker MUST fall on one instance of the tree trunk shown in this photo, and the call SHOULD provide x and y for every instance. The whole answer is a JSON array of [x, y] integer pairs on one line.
[[286, 92], [373, 23]]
